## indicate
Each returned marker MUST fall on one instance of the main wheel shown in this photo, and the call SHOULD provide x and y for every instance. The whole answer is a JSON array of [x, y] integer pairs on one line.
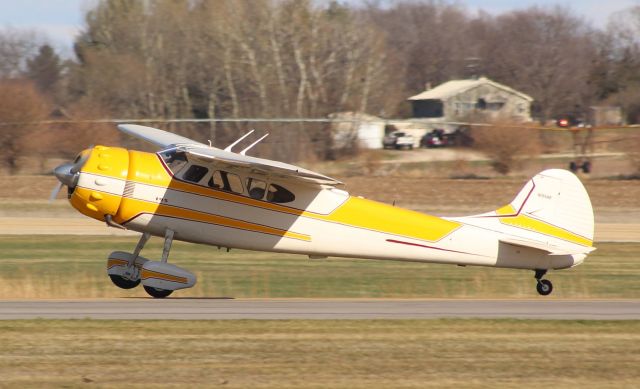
[[544, 287], [122, 282], [157, 293]]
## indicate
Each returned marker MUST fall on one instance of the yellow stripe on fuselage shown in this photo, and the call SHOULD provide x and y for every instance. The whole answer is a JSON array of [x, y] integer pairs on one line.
[[531, 224], [146, 168], [528, 223], [507, 210], [133, 207], [375, 216]]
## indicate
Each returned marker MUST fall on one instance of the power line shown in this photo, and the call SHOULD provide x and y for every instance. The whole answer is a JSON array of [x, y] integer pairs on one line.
[[290, 120], [224, 120]]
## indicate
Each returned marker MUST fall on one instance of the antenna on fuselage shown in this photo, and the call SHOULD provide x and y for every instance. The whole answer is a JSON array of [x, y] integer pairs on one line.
[[228, 148], [244, 152]]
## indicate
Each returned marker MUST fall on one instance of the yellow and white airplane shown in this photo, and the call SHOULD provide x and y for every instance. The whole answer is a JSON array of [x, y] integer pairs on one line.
[[193, 192]]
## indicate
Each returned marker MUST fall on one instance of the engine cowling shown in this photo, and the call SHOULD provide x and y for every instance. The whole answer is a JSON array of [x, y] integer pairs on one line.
[[101, 182]]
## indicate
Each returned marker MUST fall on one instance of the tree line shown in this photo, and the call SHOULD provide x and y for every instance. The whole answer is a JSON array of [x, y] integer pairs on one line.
[[212, 59]]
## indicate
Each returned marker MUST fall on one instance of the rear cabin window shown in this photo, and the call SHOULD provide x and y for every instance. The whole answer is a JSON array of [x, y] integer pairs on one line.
[[195, 173], [175, 160], [226, 181], [278, 194], [256, 188]]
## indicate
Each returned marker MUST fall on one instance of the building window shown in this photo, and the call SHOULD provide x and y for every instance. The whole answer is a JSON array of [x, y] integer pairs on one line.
[[495, 106]]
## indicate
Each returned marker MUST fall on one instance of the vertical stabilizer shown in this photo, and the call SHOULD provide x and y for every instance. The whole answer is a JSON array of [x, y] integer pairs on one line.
[[557, 197], [552, 212]]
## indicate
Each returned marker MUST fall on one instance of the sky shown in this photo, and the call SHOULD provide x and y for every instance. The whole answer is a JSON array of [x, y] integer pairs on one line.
[[60, 20]]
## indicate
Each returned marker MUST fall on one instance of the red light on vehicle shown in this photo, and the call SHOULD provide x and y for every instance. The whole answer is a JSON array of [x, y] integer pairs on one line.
[[563, 122]]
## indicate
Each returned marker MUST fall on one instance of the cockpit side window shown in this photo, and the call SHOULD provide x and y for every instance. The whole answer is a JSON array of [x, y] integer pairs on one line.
[[174, 159], [256, 188], [226, 181], [278, 194], [195, 173]]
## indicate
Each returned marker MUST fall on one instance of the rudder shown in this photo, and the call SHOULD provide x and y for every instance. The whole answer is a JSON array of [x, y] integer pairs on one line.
[[553, 203]]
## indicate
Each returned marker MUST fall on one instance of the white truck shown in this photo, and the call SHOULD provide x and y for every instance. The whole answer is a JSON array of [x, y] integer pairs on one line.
[[398, 140]]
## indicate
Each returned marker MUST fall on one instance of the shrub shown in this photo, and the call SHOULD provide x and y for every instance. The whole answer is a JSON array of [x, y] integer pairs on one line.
[[507, 146]]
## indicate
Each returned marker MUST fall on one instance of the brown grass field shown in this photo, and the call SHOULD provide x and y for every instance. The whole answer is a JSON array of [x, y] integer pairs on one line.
[[320, 354]]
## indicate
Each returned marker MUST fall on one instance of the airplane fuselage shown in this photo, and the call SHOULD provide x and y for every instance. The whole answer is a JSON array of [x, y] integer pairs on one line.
[[149, 192]]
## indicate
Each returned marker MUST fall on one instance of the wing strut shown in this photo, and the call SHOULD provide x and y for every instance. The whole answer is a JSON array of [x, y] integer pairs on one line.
[[228, 148], [244, 152]]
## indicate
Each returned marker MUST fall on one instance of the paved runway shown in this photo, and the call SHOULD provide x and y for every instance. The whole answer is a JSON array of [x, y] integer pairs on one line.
[[215, 309]]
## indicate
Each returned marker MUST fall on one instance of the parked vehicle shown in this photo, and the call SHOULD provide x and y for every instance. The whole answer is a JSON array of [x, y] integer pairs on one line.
[[435, 138], [398, 140], [461, 137]]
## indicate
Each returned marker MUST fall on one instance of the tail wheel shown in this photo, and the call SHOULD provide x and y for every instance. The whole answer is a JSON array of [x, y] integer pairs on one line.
[[157, 293], [123, 283], [544, 287]]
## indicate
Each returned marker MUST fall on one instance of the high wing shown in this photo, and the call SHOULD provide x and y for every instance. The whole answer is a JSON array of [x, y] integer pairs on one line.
[[266, 166], [157, 137], [199, 151]]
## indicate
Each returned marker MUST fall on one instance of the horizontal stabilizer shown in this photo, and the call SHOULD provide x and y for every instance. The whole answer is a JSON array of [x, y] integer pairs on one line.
[[543, 246]]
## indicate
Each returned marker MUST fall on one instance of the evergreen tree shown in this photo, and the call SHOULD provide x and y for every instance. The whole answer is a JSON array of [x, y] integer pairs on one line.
[[44, 69]]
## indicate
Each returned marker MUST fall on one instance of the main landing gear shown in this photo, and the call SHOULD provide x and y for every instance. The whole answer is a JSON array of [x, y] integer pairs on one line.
[[544, 287], [159, 279]]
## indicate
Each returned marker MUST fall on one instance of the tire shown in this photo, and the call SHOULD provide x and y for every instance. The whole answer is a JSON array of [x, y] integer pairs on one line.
[[157, 293], [573, 167], [586, 167], [544, 287], [122, 282]]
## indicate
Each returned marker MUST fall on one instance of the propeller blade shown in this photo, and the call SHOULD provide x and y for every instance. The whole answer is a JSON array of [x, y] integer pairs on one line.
[[80, 163], [55, 191], [67, 173]]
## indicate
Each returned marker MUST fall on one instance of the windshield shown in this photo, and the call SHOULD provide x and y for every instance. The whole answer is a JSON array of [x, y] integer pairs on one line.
[[174, 159]]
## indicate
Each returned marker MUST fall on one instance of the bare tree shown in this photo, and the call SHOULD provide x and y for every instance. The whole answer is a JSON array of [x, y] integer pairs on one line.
[[621, 74], [546, 54], [20, 106], [16, 46]]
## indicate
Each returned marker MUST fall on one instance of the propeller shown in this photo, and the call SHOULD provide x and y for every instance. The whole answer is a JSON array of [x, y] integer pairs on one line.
[[55, 191], [68, 173]]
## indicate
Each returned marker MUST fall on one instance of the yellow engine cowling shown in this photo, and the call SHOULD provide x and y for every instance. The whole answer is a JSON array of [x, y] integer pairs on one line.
[[101, 182]]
